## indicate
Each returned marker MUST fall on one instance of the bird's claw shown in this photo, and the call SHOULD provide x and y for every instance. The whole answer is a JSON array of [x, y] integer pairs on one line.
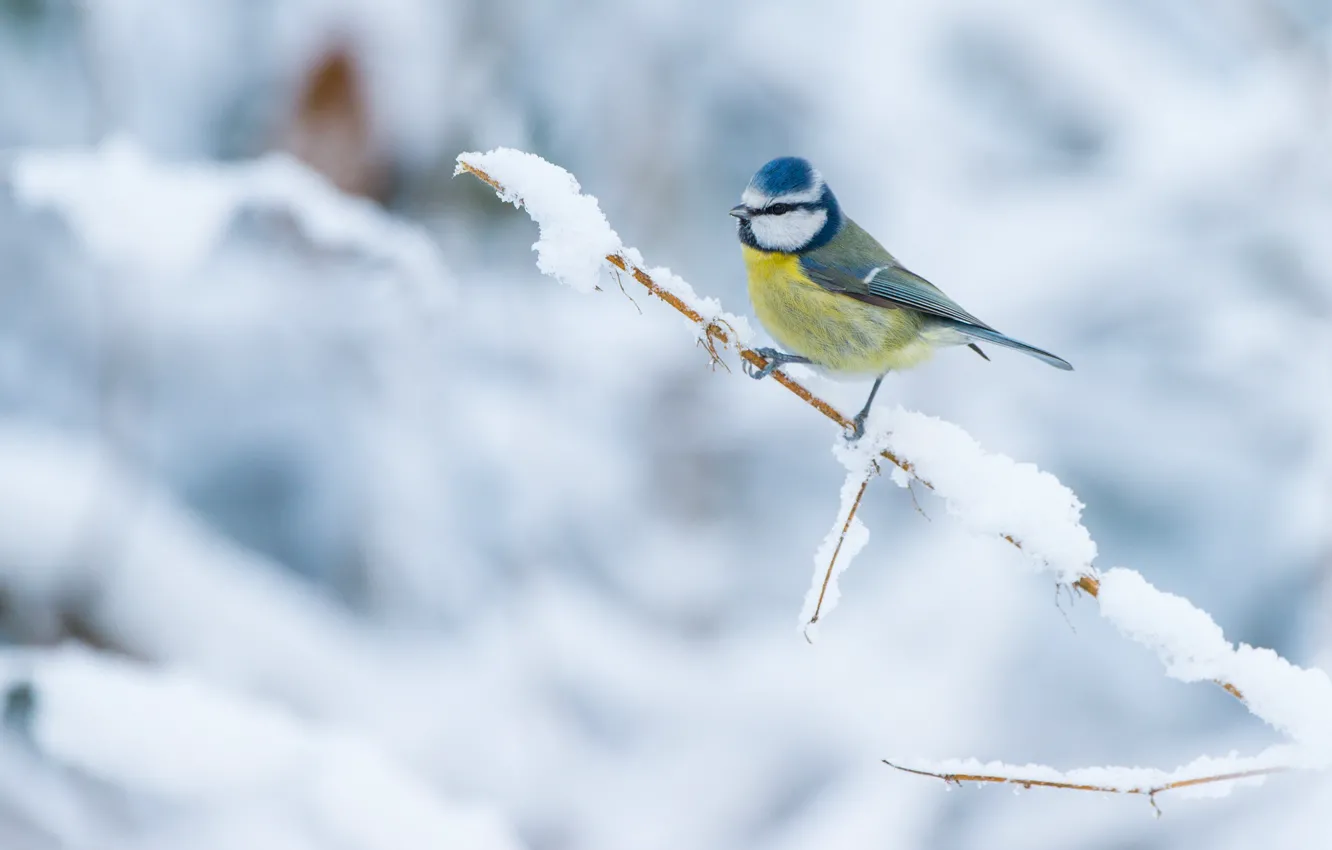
[[774, 358], [759, 374], [857, 428]]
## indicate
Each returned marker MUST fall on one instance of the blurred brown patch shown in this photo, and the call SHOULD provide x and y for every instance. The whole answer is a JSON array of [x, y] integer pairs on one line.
[[330, 127]]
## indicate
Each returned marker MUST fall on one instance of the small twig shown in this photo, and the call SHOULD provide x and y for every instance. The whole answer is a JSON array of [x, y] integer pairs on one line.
[[716, 331], [620, 281], [1149, 793], [841, 538], [915, 503], [1059, 606]]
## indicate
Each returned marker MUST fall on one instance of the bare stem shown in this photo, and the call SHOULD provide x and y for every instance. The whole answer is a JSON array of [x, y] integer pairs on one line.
[[1150, 793], [841, 538]]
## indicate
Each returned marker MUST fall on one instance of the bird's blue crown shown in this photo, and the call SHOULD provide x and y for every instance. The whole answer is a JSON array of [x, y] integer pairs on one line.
[[784, 175]]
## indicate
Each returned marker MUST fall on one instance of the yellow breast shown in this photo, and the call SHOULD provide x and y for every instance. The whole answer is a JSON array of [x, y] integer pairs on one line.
[[837, 332]]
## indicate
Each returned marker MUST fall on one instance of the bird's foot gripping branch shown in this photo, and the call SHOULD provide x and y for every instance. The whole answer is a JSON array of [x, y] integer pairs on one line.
[[989, 494]]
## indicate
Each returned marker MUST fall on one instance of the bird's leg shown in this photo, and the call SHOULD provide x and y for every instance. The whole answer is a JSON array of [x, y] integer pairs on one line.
[[775, 358], [858, 422]]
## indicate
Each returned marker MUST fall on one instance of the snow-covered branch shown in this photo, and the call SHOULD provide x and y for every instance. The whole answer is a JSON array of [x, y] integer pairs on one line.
[[989, 494]]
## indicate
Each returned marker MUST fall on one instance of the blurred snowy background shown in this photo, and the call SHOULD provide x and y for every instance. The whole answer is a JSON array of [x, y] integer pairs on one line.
[[327, 525]]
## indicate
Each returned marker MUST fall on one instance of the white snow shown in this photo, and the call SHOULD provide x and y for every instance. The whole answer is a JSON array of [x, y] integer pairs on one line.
[[991, 494], [860, 459], [575, 238], [171, 736], [82, 532], [167, 219], [1295, 701]]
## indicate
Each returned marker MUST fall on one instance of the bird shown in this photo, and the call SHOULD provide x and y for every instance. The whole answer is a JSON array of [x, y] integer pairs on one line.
[[834, 298]]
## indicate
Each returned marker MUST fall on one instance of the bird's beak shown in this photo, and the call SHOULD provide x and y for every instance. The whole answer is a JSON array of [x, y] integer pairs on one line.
[[740, 211]]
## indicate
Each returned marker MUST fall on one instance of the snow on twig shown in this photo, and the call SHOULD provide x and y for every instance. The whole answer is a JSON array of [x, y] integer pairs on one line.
[[988, 493], [848, 535]]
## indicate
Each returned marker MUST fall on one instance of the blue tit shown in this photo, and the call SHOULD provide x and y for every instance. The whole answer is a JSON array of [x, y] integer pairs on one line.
[[832, 296]]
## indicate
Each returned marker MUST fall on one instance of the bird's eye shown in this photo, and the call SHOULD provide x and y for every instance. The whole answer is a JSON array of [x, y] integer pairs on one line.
[[778, 209]]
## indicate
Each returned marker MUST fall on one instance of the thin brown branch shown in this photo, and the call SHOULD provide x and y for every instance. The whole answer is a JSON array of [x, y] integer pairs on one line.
[[841, 538], [1150, 793]]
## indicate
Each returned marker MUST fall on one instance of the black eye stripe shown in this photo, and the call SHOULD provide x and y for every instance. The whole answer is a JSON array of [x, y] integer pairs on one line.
[[781, 209]]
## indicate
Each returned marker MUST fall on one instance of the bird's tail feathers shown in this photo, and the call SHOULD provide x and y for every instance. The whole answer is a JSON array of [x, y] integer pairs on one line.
[[976, 334]]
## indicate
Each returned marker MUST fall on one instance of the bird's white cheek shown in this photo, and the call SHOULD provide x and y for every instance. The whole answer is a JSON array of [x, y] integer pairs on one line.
[[789, 231]]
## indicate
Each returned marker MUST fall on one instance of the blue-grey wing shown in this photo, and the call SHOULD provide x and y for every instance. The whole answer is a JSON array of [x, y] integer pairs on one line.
[[855, 264], [902, 286]]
